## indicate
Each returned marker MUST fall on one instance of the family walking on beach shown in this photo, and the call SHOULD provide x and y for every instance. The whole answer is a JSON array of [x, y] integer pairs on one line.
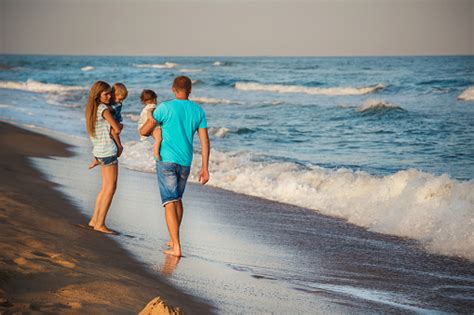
[[172, 124]]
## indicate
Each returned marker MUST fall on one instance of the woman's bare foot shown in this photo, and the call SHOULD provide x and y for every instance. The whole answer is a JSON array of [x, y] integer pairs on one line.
[[104, 229], [93, 164], [175, 251], [169, 244]]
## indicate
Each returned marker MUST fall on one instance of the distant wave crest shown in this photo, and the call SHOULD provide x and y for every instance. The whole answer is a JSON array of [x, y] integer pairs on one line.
[[35, 86], [190, 70], [166, 65], [374, 105], [467, 95], [87, 68], [435, 210], [212, 101], [279, 88]]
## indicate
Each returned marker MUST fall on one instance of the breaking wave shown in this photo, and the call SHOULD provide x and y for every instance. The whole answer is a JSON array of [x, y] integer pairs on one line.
[[374, 105], [87, 68], [190, 70], [435, 210], [214, 101], [218, 132], [40, 87], [279, 88], [166, 65], [467, 95]]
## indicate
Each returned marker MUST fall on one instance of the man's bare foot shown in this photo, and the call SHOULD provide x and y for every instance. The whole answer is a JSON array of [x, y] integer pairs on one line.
[[104, 229], [175, 251], [93, 164], [169, 244]]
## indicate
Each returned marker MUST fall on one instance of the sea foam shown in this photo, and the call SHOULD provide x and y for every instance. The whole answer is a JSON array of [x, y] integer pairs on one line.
[[166, 65], [212, 101], [190, 70], [87, 68], [40, 87], [279, 88], [436, 210], [467, 95]]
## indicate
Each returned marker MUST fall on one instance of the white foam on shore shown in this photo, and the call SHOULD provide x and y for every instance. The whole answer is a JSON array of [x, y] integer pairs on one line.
[[87, 68], [467, 95], [212, 101], [435, 210], [278, 88], [40, 87], [166, 65], [376, 105], [132, 117]]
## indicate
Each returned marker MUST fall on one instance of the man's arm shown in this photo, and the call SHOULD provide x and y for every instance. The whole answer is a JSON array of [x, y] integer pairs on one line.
[[205, 151], [149, 125]]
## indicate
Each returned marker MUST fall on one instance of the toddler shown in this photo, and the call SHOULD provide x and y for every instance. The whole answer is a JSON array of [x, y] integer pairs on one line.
[[148, 98]]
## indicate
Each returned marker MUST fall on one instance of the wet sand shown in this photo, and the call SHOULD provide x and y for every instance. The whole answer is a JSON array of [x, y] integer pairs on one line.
[[249, 255], [47, 263]]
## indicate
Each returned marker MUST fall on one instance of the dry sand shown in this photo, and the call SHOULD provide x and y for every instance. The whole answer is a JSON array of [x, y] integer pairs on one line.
[[48, 264]]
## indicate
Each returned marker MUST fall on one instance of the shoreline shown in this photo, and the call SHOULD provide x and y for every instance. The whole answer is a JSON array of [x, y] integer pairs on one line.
[[50, 265]]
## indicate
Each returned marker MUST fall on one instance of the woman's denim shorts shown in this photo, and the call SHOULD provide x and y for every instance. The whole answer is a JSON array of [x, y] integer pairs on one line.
[[106, 161], [172, 180]]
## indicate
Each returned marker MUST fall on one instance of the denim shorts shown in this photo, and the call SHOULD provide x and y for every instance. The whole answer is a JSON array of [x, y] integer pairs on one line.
[[172, 180], [106, 161]]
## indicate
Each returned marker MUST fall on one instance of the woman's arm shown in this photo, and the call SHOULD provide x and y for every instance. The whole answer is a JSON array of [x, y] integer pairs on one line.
[[113, 123]]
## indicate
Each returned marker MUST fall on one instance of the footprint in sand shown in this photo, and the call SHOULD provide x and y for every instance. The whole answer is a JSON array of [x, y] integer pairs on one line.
[[28, 265], [55, 258]]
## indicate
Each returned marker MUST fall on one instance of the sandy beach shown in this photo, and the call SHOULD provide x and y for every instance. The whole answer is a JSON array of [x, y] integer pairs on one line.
[[47, 263], [241, 254], [250, 255]]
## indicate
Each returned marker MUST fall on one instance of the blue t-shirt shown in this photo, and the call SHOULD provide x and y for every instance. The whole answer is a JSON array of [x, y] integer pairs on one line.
[[179, 120]]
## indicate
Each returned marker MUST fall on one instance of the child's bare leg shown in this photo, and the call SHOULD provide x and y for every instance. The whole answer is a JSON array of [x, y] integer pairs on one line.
[[156, 146], [93, 164], [118, 143]]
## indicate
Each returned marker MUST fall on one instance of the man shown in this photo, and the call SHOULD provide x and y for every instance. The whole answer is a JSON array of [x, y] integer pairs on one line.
[[179, 119]]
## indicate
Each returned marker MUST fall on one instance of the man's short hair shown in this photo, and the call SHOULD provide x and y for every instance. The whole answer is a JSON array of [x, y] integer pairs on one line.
[[119, 88], [182, 84]]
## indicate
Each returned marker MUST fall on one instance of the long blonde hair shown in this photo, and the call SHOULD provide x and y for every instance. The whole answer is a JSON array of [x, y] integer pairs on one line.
[[92, 103]]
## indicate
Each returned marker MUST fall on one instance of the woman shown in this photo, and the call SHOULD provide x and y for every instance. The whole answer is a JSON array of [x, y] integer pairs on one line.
[[99, 122]]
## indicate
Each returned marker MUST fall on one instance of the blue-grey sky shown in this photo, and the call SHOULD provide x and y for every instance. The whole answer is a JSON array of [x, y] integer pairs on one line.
[[237, 28]]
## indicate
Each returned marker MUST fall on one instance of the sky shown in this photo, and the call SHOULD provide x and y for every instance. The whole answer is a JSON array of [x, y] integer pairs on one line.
[[237, 28]]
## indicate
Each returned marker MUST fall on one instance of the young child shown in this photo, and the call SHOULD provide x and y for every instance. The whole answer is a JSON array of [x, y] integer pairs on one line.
[[148, 98], [118, 95]]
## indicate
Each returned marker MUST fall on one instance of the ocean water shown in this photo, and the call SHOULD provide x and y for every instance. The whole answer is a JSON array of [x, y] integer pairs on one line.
[[386, 143]]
